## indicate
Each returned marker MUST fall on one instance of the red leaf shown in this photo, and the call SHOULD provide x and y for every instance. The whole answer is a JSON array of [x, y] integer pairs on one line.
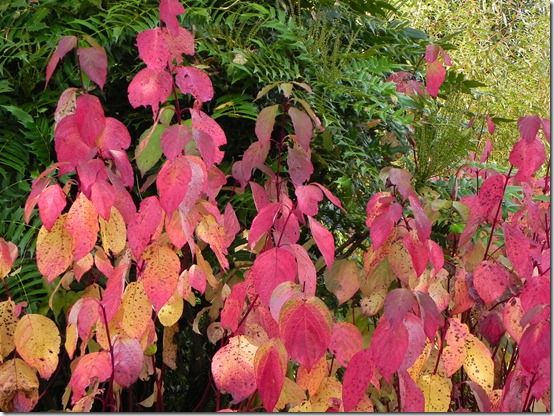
[[114, 137], [490, 280], [324, 241], [65, 44], [144, 224], [487, 150], [432, 319], [416, 340], [209, 136], [172, 183], [356, 379], [388, 347], [329, 195], [169, 10], [490, 195], [435, 255], [231, 312], [270, 268], [265, 122], [306, 269], [397, 304], [518, 249], [51, 203], [303, 127], [196, 82], [423, 225], [270, 365], [382, 215], [95, 365], [411, 396], [528, 157], [346, 341], [546, 128], [309, 197], [436, 74], [90, 119], [94, 63], [418, 250], [299, 164], [128, 361], [305, 326], [153, 49], [491, 327], [253, 157], [123, 166], [529, 127], [432, 53], [287, 228], [263, 222], [150, 87]]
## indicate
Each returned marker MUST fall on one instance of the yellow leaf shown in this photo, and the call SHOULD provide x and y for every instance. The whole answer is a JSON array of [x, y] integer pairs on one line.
[[169, 352], [170, 313], [18, 381], [54, 249], [436, 391], [343, 279], [304, 407], [113, 232], [291, 394], [7, 328], [37, 341], [137, 310], [415, 370], [478, 363], [328, 395], [71, 336], [311, 380]]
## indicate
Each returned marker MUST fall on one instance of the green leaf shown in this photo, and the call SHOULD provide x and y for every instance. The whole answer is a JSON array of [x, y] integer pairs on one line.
[[149, 149]]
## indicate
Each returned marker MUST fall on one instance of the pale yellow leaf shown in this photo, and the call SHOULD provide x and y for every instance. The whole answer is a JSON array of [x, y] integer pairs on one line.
[[478, 363], [328, 395], [436, 391], [170, 313], [137, 310], [7, 328], [113, 232], [37, 341], [291, 394], [54, 249]]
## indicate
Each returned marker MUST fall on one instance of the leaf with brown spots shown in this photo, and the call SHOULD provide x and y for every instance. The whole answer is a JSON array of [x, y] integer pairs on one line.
[[8, 322], [113, 232], [436, 391], [136, 310], [160, 274], [54, 250], [478, 363]]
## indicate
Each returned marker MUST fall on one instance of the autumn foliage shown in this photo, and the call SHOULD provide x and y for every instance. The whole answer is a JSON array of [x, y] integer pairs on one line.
[[460, 325]]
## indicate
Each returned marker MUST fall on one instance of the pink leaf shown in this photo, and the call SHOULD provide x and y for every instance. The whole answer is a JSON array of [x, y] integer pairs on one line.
[[416, 340], [197, 278], [306, 269], [305, 326], [259, 194], [153, 48], [432, 319], [356, 379], [265, 122], [173, 140], [303, 127], [281, 294], [263, 222], [490, 195], [114, 137], [432, 53], [253, 157], [90, 119], [69, 145], [231, 312], [527, 156], [95, 365], [490, 280], [233, 368], [102, 195], [128, 361], [287, 228], [123, 167], [491, 127], [270, 365], [324, 241], [196, 82], [518, 249], [209, 136], [94, 63], [397, 304], [423, 225], [51, 203], [309, 197], [534, 346], [299, 164], [411, 396], [179, 43], [435, 255], [169, 10], [436, 74], [346, 341], [82, 224], [491, 327], [65, 44], [150, 87], [529, 127], [382, 215], [388, 347], [144, 225], [418, 250], [546, 128], [402, 179], [329, 195], [270, 268], [487, 150], [172, 183]]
